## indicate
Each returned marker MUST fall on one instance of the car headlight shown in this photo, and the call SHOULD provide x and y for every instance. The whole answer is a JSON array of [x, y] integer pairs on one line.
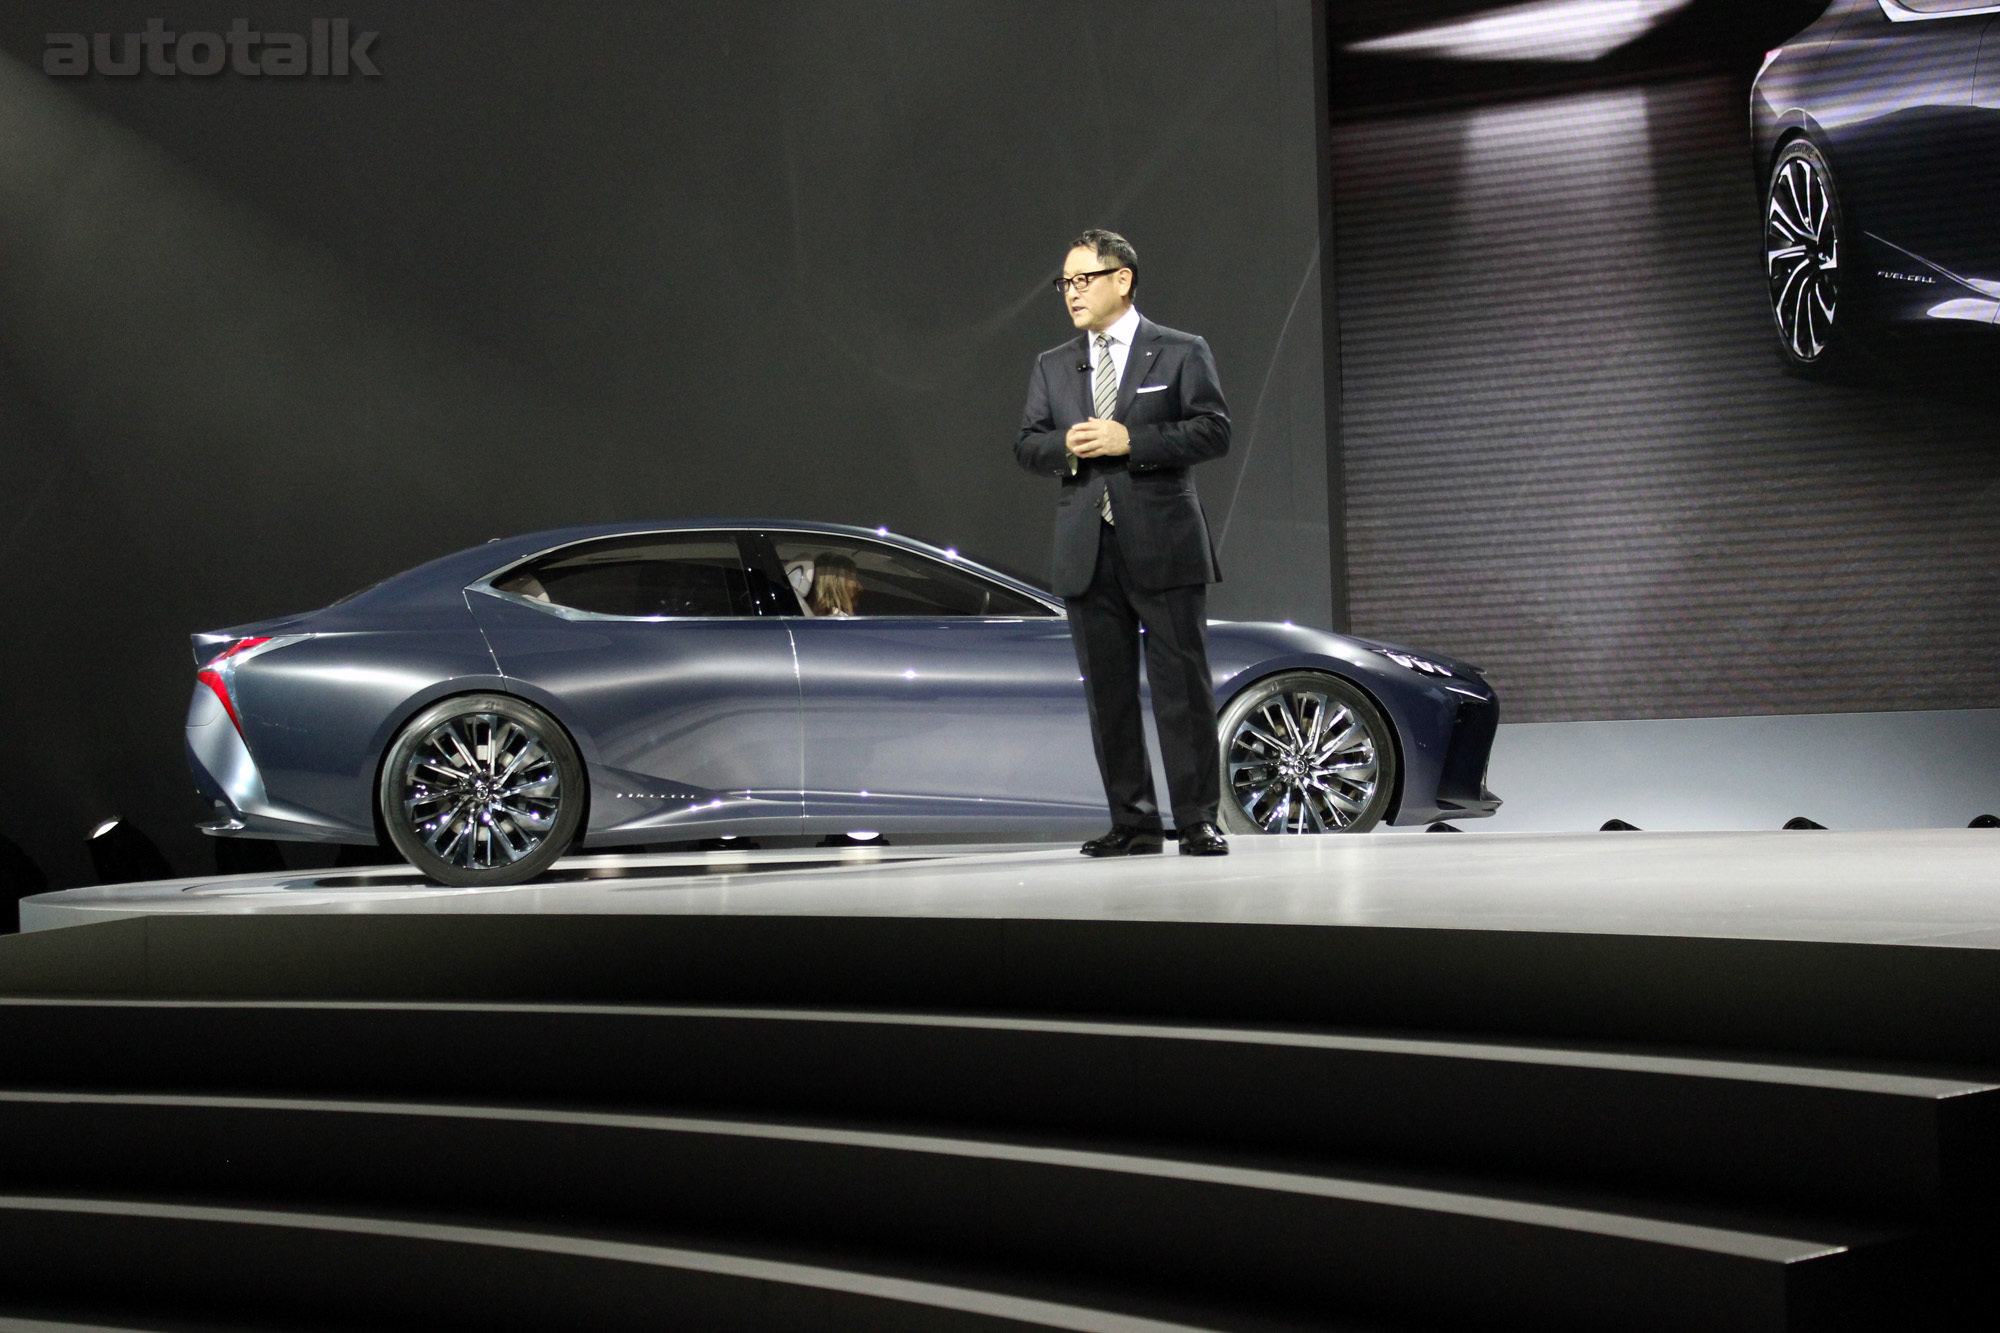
[[1412, 663]]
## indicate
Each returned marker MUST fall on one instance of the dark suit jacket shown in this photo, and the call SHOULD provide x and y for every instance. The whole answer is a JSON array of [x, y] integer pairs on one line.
[[1170, 400]]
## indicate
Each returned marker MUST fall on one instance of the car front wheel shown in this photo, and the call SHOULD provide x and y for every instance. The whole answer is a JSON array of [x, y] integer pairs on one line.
[[1305, 752], [482, 790]]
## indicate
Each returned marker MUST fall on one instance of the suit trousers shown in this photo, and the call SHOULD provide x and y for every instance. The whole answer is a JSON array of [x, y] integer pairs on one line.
[[1104, 624]]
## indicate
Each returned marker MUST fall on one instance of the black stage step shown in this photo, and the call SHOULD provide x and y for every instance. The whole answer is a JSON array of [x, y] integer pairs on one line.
[[1894, 1002], [296, 1268], [99, 1318], [1367, 1239], [458, 1120], [1860, 1136]]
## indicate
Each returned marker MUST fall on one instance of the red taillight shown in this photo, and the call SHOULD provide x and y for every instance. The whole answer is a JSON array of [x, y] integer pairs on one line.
[[214, 681], [214, 678]]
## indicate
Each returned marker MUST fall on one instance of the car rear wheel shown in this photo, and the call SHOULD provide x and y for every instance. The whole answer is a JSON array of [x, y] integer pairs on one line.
[[1305, 752], [1805, 248], [482, 790]]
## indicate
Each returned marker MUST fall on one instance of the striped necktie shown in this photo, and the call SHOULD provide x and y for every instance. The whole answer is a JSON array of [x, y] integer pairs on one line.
[[1105, 392]]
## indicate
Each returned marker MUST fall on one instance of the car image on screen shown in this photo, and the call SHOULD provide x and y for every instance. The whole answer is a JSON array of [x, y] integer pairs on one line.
[[1877, 137], [626, 685]]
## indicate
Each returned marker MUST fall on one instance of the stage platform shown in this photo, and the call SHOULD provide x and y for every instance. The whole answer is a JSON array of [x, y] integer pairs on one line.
[[1907, 887], [1879, 945], [1663, 1082]]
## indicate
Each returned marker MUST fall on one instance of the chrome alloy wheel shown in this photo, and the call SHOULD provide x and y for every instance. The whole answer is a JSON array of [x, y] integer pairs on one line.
[[481, 791], [1303, 760], [1802, 253]]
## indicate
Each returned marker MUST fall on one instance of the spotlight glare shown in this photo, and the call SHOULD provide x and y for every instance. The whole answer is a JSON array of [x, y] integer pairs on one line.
[[1564, 30]]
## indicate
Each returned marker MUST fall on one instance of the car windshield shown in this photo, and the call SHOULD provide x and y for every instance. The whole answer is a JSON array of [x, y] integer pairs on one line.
[[1035, 581]]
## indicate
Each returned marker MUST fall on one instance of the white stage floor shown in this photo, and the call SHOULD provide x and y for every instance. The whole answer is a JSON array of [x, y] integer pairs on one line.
[[1937, 886]]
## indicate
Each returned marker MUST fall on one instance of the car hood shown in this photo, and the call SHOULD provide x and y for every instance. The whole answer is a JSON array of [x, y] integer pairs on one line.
[[1234, 645]]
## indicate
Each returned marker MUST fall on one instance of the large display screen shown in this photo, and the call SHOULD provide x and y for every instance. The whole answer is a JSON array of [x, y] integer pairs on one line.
[[1667, 353]]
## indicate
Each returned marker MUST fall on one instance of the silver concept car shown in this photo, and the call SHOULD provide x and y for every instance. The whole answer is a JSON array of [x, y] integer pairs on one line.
[[663, 682]]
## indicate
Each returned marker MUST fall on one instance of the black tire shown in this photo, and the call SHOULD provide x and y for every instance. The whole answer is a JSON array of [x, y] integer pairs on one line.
[[1814, 306], [482, 790], [1305, 752]]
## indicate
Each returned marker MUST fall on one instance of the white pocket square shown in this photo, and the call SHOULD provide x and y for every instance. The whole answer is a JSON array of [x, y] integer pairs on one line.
[[1150, 388]]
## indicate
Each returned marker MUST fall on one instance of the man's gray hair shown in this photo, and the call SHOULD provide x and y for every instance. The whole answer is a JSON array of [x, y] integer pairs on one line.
[[1114, 250]]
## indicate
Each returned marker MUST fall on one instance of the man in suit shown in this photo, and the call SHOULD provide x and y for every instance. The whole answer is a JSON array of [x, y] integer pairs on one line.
[[1121, 413]]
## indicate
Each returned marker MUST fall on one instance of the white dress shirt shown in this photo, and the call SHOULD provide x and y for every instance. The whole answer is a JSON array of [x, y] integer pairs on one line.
[[1121, 335]]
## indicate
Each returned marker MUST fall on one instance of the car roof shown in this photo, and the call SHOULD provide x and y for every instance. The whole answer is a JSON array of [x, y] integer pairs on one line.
[[447, 575]]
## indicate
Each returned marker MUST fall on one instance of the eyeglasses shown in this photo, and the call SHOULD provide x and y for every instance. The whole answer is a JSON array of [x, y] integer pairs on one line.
[[1082, 280]]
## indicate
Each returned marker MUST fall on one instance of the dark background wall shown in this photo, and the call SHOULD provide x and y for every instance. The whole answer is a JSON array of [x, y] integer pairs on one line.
[[265, 341]]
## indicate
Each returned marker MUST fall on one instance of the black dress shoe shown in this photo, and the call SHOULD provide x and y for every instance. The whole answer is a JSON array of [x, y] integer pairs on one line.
[[1203, 839], [1124, 840]]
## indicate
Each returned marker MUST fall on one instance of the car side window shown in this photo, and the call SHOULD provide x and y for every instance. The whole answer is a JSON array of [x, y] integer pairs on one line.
[[660, 574], [838, 576]]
